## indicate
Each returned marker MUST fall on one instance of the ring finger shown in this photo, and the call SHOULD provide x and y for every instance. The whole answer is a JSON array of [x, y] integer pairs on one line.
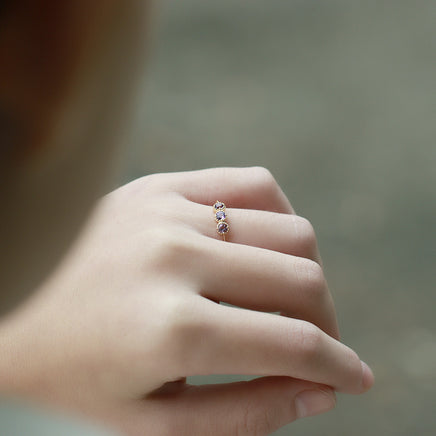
[[285, 233]]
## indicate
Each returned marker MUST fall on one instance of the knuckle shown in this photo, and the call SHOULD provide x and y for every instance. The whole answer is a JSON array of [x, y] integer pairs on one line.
[[144, 183], [305, 234], [264, 177], [189, 333], [179, 319], [311, 277], [187, 320], [355, 365], [169, 250], [310, 340]]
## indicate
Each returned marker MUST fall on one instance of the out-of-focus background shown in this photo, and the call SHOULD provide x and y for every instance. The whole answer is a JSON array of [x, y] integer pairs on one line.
[[338, 99]]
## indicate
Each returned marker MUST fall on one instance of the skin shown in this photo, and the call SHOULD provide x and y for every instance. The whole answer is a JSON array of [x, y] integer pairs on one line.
[[131, 308]]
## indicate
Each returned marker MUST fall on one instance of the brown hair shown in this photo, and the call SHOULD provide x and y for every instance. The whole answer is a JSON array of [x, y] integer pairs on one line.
[[41, 42]]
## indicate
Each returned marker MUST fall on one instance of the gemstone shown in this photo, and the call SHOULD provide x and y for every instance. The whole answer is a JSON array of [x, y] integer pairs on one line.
[[219, 205], [220, 215], [222, 228]]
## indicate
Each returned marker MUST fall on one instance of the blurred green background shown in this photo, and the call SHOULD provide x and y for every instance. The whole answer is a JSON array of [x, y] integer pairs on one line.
[[338, 100]]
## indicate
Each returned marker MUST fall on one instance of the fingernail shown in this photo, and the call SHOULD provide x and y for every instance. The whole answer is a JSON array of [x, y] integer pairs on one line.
[[367, 376], [314, 402]]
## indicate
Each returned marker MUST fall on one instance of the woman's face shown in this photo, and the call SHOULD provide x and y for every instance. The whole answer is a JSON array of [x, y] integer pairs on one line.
[[67, 74]]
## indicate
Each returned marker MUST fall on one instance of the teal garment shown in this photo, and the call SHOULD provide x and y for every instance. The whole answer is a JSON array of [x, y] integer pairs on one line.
[[20, 419]]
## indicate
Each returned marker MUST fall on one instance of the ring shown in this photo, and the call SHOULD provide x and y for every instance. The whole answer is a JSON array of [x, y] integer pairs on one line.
[[222, 227]]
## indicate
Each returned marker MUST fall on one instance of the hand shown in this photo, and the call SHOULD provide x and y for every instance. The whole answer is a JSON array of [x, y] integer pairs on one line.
[[132, 310]]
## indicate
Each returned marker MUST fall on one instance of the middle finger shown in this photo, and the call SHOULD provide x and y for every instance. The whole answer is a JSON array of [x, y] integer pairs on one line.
[[265, 280]]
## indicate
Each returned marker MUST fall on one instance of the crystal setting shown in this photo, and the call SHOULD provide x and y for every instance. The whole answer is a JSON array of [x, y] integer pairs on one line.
[[220, 216], [219, 206], [222, 228]]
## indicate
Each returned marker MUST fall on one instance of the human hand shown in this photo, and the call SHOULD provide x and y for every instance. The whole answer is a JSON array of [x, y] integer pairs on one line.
[[132, 310]]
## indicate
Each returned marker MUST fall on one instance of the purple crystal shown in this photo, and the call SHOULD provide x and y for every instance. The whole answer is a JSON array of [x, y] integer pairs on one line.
[[222, 228], [219, 205], [220, 215]]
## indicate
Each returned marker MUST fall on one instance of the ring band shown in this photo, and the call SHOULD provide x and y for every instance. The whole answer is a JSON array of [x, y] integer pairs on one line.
[[222, 227]]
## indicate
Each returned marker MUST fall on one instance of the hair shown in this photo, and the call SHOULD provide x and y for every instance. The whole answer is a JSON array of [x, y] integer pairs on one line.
[[41, 42], [69, 73]]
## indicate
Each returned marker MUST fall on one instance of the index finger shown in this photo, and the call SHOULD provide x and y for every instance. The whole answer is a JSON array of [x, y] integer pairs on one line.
[[243, 188]]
